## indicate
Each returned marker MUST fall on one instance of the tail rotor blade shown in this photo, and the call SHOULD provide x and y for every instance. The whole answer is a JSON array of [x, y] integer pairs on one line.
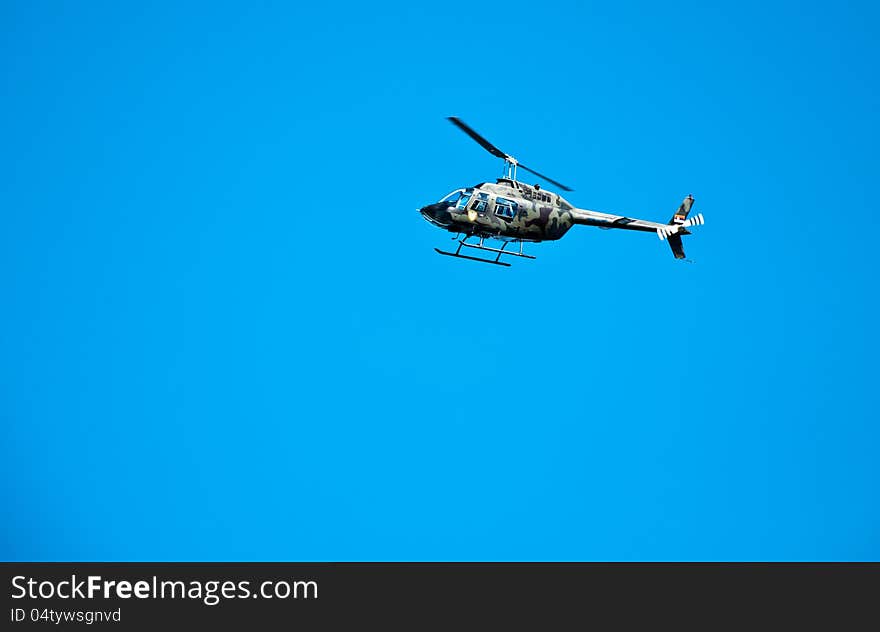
[[696, 220]]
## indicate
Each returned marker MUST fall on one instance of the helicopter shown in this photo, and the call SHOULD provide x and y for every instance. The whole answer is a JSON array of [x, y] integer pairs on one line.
[[513, 212]]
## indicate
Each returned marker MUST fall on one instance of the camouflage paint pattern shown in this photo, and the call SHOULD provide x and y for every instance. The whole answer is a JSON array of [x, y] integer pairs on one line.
[[540, 215]]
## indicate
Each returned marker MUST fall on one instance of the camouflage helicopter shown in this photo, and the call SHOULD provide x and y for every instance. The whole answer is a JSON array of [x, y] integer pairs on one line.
[[514, 213]]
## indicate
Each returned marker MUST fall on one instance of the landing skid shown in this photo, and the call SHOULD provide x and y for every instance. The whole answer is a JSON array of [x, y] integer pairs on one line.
[[499, 251], [458, 256]]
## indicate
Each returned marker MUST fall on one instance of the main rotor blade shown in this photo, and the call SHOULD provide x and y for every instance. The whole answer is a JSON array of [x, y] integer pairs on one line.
[[541, 175], [492, 149]]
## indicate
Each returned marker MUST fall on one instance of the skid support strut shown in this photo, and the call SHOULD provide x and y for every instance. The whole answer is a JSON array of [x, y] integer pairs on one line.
[[497, 251]]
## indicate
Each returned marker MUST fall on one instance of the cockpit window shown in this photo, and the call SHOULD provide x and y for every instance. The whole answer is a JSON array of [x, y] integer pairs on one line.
[[463, 200], [452, 198], [505, 208]]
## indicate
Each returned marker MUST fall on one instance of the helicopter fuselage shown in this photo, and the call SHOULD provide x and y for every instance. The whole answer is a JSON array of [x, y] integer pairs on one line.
[[511, 211], [506, 210]]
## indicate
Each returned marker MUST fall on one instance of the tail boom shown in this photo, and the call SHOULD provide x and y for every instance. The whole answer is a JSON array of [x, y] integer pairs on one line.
[[671, 232]]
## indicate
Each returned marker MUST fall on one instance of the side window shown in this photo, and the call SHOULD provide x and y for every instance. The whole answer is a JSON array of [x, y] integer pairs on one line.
[[479, 205], [505, 208]]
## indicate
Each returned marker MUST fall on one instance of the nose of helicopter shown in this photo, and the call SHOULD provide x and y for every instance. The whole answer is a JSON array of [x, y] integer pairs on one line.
[[437, 213]]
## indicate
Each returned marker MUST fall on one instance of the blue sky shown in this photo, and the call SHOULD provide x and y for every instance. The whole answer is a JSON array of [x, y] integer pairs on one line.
[[225, 334]]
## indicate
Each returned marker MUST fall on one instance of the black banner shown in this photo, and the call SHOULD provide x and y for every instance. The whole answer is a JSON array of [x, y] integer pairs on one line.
[[154, 595]]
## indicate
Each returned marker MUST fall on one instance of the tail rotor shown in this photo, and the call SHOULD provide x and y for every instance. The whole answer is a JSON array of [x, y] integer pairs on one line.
[[679, 225], [673, 229]]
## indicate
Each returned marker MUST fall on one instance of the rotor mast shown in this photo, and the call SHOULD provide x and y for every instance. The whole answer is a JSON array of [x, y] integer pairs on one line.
[[510, 168]]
